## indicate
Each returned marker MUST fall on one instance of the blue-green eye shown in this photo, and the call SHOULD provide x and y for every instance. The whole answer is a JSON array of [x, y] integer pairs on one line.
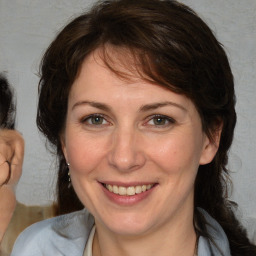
[[160, 121], [95, 120]]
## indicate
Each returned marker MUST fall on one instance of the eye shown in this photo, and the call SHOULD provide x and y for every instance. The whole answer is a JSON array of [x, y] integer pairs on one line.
[[95, 119], [160, 121]]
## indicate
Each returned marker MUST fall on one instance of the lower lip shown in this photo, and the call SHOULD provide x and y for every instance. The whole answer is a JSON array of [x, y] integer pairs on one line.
[[127, 200]]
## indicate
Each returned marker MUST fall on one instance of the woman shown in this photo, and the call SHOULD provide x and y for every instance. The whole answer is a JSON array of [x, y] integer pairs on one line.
[[11, 155], [137, 97]]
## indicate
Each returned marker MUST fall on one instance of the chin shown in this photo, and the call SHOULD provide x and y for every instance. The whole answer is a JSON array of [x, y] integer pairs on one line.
[[128, 225]]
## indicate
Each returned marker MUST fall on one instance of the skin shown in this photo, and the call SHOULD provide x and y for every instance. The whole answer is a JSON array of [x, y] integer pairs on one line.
[[11, 149], [141, 134]]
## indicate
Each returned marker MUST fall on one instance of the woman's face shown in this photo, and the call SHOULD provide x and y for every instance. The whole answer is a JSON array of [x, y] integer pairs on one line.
[[134, 149]]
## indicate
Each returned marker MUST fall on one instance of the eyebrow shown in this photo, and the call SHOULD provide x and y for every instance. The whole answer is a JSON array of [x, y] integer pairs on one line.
[[143, 108], [94, 104], [160, 105]]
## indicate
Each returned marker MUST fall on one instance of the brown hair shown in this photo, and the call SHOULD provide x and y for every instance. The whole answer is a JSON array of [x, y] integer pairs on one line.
[[174, 48]]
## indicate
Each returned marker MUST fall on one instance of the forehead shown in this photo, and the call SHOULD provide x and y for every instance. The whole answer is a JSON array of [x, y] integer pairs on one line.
[[97, 82]]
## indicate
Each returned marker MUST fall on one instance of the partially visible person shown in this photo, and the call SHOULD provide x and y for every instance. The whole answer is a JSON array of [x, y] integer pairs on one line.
[[11, 155], [14, 218]]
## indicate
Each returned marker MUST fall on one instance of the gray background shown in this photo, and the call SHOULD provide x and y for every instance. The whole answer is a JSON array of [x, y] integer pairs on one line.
[[28, 26]]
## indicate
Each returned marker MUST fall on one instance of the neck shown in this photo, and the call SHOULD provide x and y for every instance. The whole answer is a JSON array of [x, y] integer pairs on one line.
[[176, 239]]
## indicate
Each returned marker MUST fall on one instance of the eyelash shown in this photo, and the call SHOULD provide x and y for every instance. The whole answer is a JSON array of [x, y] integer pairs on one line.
[[162, 117], [167, 121], [90, 117]]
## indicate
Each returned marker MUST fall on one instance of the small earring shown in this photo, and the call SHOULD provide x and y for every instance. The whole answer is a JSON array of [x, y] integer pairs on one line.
[[69, 179]]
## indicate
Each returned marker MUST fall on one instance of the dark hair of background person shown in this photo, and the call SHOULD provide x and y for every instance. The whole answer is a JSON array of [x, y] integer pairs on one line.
[[7, 106], [170, 46]]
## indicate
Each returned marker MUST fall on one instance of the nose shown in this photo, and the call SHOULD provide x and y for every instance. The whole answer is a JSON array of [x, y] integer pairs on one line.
[[126, 152]]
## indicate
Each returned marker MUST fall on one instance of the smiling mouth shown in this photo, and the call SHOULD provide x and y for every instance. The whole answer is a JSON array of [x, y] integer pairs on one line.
[[128, 191]]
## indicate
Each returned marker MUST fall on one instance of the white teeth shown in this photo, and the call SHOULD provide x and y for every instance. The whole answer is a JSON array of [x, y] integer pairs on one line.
[[122, 191], [110, 188], [138, 189], [129, 191], [115, 189]]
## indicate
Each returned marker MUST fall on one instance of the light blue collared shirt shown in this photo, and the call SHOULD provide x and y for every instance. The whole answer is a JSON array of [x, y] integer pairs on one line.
[[67, 235]]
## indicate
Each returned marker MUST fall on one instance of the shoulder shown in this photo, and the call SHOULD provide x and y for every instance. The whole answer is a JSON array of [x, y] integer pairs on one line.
[[57, 236], [218, 243]]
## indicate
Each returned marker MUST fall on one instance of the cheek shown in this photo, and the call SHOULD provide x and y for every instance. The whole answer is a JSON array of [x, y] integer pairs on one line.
[[176, 154], [83, 154]]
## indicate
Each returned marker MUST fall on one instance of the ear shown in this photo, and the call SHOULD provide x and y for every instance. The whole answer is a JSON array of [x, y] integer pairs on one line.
[[211, 145]]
